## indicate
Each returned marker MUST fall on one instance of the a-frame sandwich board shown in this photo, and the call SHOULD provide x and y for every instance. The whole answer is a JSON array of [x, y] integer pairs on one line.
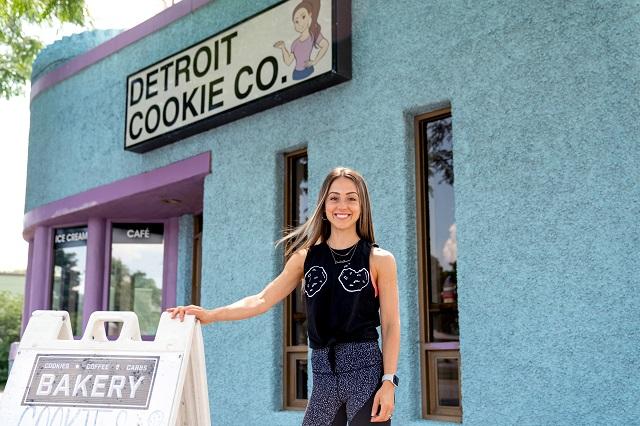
[[56, 379]]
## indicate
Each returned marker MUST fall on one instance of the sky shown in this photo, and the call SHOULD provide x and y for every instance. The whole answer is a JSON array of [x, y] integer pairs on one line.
[[14, 122]]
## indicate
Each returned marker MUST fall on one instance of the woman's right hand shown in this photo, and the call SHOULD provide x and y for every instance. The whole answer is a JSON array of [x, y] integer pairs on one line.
[[202, 315], [279, 44]]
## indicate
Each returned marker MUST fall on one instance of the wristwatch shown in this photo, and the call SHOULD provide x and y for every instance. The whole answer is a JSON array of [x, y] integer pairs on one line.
[[392, 378]]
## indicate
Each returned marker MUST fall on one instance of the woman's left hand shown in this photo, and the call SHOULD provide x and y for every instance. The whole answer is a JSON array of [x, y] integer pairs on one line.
[[383, 403]]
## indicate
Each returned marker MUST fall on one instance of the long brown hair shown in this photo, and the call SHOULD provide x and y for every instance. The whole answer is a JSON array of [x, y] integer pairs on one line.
[[318, 228], [312, 7]]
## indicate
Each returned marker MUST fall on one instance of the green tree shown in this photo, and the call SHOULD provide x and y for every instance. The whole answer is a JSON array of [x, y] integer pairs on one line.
[[17, 49], [439, 152], [10, 318]]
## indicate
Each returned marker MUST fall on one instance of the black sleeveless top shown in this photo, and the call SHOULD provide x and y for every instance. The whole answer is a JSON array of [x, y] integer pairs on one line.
[[342, 303]]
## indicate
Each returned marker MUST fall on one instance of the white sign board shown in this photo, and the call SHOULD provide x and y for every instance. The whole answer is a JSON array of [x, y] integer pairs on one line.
[[56, 380], [287, 51]]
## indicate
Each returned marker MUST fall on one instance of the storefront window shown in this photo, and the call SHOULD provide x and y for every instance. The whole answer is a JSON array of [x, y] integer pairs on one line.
[[438, 253], [69, 263], [296, 213], [137, 253]]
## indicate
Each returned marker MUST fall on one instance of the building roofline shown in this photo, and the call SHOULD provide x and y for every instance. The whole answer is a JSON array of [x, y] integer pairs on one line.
[[117, 43]]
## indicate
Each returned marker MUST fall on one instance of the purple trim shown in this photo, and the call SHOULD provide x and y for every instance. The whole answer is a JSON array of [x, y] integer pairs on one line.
[[79, 207], [119, 42], [170, 273], [27, 288], [106, 278], [40, 285], [94, 274], [48, 271]]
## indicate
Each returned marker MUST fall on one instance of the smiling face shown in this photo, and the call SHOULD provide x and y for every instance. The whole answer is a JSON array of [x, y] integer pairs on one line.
[[342, 206], [301, 20]]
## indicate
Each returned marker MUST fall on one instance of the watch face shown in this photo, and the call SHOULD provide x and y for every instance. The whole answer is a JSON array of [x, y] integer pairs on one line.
[[396, 381]]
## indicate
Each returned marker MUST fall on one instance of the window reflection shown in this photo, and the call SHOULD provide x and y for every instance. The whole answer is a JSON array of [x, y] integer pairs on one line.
[[70, 254], [448, 383], [137, 253], [442, 231], [301, 379], [299, 308], [299, 214], [301, 188]]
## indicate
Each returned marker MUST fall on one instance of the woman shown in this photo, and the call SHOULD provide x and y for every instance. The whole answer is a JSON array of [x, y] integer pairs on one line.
[[305, 22], [350, 288]]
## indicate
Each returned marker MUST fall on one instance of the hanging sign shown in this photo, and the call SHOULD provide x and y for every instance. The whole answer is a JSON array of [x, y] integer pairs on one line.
[[56, 380], [290, 50]]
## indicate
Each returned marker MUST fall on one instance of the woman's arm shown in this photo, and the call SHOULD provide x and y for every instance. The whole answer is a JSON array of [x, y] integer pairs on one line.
[[385, 266], [324, 46], [254, 305], [389, 311], [286, 56]]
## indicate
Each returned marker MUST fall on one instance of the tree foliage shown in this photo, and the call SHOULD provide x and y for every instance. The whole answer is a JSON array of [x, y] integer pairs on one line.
[[10, 318], [18, 49], [440, 154], [134, 291]]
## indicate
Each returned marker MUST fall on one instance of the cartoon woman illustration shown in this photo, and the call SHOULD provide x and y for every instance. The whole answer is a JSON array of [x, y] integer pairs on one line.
[[305, 22]]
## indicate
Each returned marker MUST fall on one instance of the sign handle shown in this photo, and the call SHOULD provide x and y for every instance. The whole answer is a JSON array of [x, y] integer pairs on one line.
[[95, 326], [46, 326]]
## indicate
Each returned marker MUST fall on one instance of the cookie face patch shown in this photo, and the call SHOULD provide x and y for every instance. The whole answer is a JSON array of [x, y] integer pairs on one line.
[[314, 279], [353, 280]]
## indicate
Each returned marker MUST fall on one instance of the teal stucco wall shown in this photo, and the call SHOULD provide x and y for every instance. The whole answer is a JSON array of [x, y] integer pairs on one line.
[[544, 97]]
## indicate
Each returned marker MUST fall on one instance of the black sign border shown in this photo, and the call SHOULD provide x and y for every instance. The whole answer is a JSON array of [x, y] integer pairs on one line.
[[54, 404], [339, 73]]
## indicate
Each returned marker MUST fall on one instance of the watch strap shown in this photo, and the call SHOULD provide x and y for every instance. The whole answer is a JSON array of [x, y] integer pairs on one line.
[[392, 378]]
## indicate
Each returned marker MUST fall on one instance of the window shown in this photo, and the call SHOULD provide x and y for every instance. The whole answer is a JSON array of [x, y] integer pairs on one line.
[[295, 333], [437, 253], [69, 264], [137, 252]]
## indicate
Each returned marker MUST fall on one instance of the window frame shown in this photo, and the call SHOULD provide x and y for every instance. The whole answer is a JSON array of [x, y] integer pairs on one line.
[[440, 411], [430, 409], [291, 353]]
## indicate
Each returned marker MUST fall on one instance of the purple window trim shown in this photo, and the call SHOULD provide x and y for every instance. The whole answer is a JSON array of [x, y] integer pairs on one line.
[[94, 276], [119, 42], [170, 270], [106, 278], [40, 278], [26, 313], [66, 208]]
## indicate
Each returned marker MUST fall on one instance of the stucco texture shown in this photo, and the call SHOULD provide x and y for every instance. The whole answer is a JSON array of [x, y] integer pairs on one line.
[[544, 97]]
